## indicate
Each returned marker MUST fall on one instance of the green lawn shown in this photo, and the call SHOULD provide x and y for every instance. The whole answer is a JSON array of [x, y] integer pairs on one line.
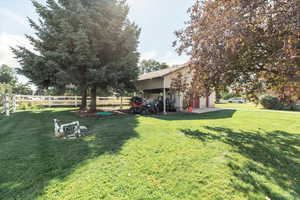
[[248, 106], [239, 106], [228, 154]]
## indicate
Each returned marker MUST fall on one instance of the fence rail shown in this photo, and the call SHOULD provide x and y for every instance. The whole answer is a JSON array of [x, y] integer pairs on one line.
[[70, 100]]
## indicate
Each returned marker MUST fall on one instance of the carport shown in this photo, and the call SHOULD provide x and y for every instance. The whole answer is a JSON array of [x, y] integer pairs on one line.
[[156, 83], [159, 83]]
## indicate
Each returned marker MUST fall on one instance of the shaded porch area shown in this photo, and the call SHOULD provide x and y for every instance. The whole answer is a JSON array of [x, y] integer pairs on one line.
[[156, 85]]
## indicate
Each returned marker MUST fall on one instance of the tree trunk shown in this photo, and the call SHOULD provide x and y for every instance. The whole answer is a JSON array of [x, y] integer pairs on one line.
[[83, 98], [218, 96], [93, 105]]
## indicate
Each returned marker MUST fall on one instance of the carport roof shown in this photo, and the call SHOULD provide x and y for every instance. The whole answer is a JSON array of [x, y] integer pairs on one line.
[[160, 73]]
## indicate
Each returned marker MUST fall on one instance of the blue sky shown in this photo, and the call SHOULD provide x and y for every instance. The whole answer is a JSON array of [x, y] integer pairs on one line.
[[157, 18]]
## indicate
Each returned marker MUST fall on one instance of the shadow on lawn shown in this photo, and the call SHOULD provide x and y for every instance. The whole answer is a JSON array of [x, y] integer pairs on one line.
[[223, 114], [30, 155], [272, 157]]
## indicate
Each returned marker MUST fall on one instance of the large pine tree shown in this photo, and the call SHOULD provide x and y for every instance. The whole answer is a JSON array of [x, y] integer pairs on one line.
[[89, 43]]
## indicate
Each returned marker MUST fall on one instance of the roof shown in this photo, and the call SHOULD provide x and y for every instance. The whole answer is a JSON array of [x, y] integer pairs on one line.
[[160, 73]]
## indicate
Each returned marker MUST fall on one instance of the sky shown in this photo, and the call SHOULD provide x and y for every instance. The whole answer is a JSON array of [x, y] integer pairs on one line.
[[158, 20]]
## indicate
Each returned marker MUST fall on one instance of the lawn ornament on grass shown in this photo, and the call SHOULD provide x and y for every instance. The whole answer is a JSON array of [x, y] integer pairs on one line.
[[71, 130]]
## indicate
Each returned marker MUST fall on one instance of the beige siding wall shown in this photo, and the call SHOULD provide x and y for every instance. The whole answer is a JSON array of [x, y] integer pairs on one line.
[[185, 72], [202, 102], [212, 100], [156, 83], [178, 102]]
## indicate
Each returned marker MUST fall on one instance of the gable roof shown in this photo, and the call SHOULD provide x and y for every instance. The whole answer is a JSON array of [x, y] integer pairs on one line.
[[160, 73]]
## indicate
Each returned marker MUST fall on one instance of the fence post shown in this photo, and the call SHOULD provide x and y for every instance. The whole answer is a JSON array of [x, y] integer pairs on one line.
[[100, 102], [14, 109], [6, 105], [3, 103], [49, 101], [121, 103], [75, 101]]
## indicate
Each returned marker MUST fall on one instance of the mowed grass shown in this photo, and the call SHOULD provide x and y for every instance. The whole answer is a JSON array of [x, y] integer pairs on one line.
[[249, 106], [228, 154]]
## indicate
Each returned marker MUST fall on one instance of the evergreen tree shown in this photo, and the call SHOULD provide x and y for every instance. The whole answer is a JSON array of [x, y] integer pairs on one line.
[[115, 48], [89, 43]]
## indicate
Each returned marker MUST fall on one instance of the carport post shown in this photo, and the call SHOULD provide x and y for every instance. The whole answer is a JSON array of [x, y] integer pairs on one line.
[[165, 110]]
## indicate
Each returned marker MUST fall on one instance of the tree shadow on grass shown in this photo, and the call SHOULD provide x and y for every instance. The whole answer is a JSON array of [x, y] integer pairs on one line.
[[223, 114], [272, 161], [30, 155]]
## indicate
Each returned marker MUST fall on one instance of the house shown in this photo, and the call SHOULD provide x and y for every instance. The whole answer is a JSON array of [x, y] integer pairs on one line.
[[158, 83]]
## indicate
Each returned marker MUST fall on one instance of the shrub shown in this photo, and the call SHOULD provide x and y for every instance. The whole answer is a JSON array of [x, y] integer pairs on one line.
[[29, 106], [23, 106], [271, 102], [37, 107], [229, 96]]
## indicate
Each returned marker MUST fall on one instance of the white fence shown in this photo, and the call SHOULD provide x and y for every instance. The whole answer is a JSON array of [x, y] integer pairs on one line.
[[8, 103], [52, 101]]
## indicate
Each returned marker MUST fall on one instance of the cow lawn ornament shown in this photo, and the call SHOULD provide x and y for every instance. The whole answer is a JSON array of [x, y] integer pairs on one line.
[[71, 130]]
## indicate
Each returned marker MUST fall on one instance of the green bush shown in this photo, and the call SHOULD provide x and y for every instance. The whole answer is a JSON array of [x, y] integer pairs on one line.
[[23, 106], [29, 106], [271, 102], [229, 96], [37, 107]]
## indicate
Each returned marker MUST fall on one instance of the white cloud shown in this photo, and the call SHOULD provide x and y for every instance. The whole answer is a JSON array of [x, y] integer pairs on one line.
[[171, 58], [5, 13], [6, 55], [149, 55], [7, 41]]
